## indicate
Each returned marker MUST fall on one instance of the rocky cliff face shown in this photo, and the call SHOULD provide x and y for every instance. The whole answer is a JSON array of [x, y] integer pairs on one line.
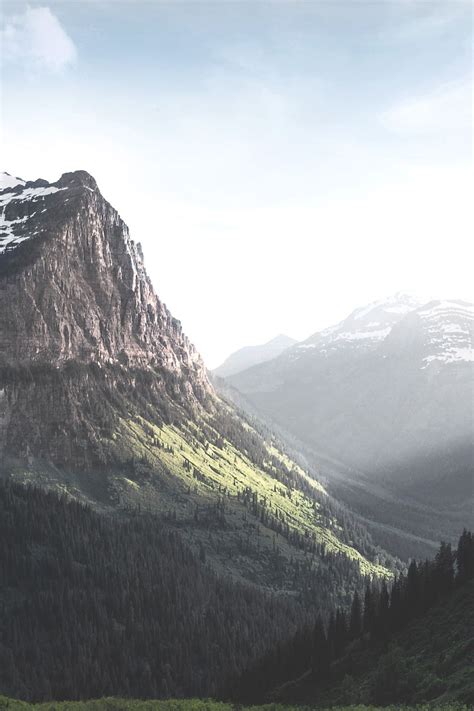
[[73, 285], [79, 322]]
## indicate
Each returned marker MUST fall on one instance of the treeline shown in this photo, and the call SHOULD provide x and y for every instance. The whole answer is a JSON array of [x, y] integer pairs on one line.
[[84, 403], [80, 433], [92, 605], [375, 619]]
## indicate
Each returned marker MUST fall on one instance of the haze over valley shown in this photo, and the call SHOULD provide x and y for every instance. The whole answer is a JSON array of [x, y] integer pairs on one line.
[[383, 403]]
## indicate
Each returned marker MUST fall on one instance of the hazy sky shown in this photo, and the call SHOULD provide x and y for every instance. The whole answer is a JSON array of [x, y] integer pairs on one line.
[[281, 163]]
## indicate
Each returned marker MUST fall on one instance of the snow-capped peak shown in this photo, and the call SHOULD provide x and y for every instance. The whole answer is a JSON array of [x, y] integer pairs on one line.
[[367, 326], [20, 202], [398, 304], [442, 329], [9, 181]]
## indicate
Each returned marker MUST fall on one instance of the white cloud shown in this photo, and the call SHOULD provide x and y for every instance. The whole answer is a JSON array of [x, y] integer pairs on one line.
[[36, 39], [448, 108]]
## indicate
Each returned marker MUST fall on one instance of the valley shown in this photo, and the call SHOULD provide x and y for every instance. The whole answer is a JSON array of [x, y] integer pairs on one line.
[[381, 405], [236, 356], [147, 500]]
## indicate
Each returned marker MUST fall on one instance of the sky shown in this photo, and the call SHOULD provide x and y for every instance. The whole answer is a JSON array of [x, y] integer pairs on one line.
[[281, 163]]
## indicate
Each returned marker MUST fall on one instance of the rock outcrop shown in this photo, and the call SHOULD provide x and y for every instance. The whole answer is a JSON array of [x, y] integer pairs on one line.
[[73, 285], [74, 295]]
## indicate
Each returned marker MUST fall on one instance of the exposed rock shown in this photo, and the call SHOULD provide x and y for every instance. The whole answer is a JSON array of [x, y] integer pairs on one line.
[[74, 290], [73, 285]]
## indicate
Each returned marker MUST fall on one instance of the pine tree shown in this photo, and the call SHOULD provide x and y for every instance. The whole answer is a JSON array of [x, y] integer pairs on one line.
[[369, 610], [465, 558], [355, 624], [382, 618], [320, 656], [444, 569], [341, 632], [413, 591]]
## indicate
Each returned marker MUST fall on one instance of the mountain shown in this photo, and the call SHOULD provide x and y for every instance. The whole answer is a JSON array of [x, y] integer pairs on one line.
[[253, 355], [87, 296], [383, 401], [103, 397]]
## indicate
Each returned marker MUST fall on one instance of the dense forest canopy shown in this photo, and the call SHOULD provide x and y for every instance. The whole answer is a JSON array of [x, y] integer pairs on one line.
[[327, 654], [94, 605]]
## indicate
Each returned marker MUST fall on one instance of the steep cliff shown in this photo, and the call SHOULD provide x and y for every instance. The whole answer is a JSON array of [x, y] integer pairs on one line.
[[74, 285]]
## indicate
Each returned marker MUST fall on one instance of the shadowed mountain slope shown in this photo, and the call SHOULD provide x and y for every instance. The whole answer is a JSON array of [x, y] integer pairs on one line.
[[383, 402]]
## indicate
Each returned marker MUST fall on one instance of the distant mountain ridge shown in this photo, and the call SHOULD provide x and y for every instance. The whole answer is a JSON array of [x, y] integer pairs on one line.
[[253, 355], [365, 327], [388, 393]]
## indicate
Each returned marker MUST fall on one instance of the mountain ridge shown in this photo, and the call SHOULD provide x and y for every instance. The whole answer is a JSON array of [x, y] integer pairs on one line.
[[249, 356], [109, 402], [387, 393]]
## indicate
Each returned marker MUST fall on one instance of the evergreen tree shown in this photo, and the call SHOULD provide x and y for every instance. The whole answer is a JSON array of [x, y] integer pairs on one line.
[[320, 656], [382, 622], [369, 610], [341, 632], [355, 624], [413, 591], [465, 558], [444, 569]]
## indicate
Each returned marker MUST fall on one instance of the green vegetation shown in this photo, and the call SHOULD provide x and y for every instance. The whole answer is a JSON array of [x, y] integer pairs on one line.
[[115, 704], [242, 503], [130, 440], [205, 464], [94, 605], [413, 643]]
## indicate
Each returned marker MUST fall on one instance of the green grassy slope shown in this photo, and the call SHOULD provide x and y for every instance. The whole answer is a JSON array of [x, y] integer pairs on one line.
[[200, 472], [121, 439]]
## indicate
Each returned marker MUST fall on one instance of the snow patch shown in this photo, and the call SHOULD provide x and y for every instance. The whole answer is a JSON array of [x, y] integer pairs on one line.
[[28, 194], [7, 237], [399, 304], [9, 181], [453, 355], [378, 335]]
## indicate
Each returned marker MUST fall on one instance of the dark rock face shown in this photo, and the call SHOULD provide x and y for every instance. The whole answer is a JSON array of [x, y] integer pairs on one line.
[[74, 290], [82, 291]]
